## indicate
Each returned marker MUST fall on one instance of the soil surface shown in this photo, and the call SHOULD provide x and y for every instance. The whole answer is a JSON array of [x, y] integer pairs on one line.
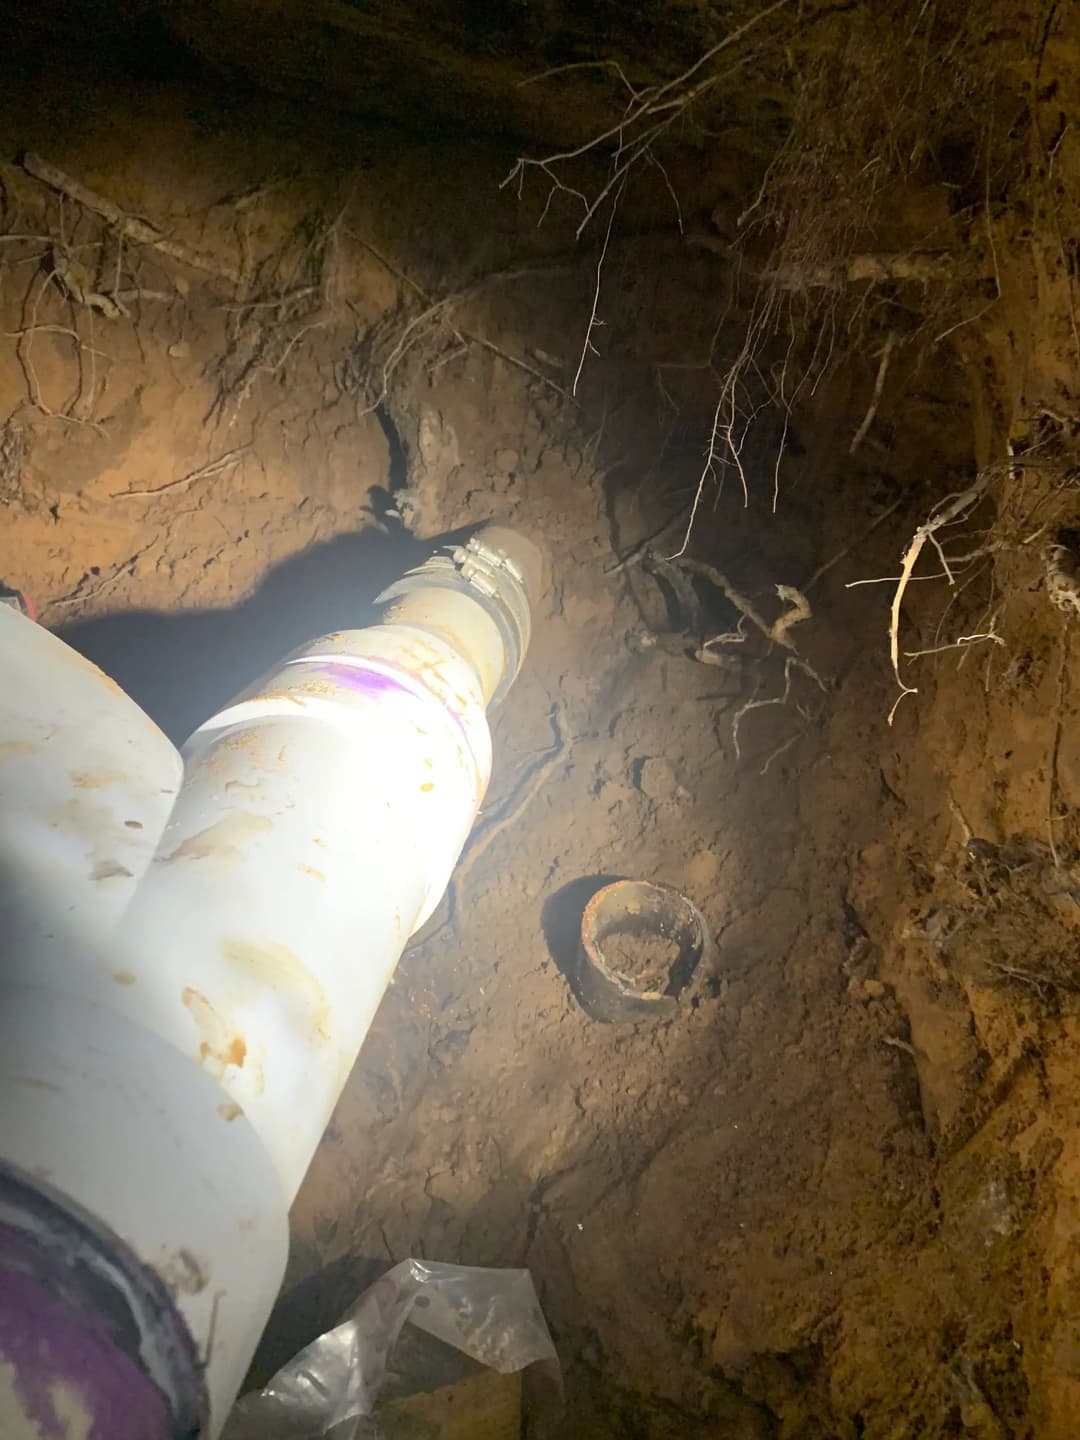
[[839, 1195], [643, 958]]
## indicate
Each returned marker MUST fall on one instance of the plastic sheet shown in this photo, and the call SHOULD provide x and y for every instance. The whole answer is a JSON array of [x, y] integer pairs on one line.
[[330, 1388]]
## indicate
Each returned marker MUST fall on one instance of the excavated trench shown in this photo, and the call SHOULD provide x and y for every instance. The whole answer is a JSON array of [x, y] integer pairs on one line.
[[839, 1193]]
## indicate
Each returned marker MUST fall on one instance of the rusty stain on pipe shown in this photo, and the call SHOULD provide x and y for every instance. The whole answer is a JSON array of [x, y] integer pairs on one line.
[[219, 1046], [270, 966], [96, 779], [222, 841]]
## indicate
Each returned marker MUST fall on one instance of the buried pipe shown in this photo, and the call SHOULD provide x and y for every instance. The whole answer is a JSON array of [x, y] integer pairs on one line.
[[186, 978]]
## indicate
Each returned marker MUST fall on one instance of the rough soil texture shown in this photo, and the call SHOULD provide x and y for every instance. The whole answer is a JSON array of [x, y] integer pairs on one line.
[[640, 957], [840, 1194]]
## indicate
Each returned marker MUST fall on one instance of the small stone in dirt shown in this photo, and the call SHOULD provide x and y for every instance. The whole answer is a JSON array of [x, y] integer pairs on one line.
[[506, 460], [657, 780]]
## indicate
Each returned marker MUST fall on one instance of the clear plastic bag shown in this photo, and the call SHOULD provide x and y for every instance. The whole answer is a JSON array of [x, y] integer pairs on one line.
[[330, 1388]]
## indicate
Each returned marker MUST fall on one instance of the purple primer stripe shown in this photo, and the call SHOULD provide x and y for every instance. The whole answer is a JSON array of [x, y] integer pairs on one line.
[[365, 680], [65, 1362]]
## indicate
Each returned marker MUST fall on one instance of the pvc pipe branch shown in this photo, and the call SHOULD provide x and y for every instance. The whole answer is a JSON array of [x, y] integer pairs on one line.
[[189, 969]]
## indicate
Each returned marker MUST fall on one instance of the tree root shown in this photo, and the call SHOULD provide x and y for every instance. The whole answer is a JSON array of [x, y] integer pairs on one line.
[[130, 226]]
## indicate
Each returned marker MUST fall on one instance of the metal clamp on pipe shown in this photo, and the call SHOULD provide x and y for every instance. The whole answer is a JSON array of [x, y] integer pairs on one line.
[[497, 569]]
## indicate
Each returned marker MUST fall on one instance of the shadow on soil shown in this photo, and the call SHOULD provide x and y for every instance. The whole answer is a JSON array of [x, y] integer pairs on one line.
[[181, 666]]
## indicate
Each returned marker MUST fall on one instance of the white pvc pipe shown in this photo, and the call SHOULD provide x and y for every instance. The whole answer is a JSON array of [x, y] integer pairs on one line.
[[319, 822], [87, 783], [92, 1104], [102, 1112], [187, 978]]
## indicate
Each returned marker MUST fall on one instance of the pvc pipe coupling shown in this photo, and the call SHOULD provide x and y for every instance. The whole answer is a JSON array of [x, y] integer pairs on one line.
[[497, 568]]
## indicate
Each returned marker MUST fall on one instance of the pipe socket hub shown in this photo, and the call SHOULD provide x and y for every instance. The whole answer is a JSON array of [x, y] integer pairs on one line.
[[503, 572]]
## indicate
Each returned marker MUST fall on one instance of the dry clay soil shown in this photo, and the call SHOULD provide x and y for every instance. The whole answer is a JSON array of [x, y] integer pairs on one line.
[[837, 1195]]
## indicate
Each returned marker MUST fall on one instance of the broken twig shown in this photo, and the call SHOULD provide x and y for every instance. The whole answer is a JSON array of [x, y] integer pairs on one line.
[[952, 510], [130, 226], [215, 467], [637, 553], [875, 400], [777, 633]]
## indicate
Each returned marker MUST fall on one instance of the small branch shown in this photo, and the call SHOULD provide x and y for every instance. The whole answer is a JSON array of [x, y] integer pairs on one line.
[[290, 346], [898, 1044], [434, 312], [612, 65], [651, 158], [639, 126], [274, 302], [798, 612], [53, 330], [215, 467], [439, 310], [593, 321], [779, 457], [734, 597], [967, 320], [960, 643], [724, 429], [966, 831], [948, 513], [1040, 984], [791, 663], [24, 343], [706, 472], [892, 580], [518, 364], [638, 552], [727, 637], [781, 750], [141, 231], [879, 386], [777, 632], [80, 595]]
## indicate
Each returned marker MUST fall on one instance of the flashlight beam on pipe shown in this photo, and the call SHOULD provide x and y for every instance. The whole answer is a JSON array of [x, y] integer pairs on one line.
[[173, 1055]]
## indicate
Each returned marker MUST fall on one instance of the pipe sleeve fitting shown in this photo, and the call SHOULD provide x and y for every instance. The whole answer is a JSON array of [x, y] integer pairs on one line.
[[503, 573]]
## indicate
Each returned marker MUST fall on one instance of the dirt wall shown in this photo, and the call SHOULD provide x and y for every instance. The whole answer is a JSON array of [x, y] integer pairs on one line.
[[838, 1195]]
